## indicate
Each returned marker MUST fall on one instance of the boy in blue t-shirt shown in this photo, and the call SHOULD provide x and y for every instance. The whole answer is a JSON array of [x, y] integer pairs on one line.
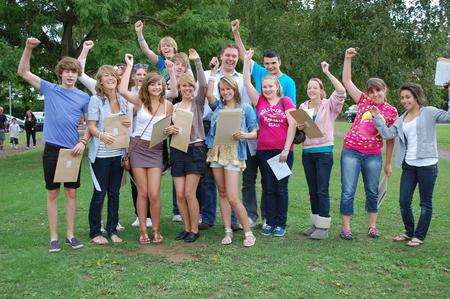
[[64, 107], [271, 62]]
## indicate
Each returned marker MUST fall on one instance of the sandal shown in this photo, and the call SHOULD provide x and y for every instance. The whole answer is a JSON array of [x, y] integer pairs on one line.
[[115, 239], [157, 238], [373, 232], [144, 239], [228, 239], [99, 240], [401, 238], [249, 240], [414, 242], [346, 234]]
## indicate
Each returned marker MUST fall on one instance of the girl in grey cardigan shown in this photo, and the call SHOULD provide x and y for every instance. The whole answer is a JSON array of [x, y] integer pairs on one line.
[[416, 152]]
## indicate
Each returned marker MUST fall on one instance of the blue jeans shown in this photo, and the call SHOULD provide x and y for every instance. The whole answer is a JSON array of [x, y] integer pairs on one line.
[[207, 197], [425, 176], [317, 167], [249, 188], [352, 163], [276, 191], [108, 172]]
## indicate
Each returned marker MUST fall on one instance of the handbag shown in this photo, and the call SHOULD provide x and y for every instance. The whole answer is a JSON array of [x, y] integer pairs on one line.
[[300, 135], [126, 158]]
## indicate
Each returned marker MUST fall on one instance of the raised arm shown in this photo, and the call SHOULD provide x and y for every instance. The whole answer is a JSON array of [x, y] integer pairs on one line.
[[87, 81], [123, 86], [237, 38], [211, 81], [138, 26], [251, 91], [354, 92], [202, 84], [173, 88], [24, 65], [442, 116]]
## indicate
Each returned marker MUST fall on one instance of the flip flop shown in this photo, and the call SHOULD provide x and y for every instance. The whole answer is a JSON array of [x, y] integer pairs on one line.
[[143, 240], [99, 240], [401, 238], [414, 242], [157, 238]]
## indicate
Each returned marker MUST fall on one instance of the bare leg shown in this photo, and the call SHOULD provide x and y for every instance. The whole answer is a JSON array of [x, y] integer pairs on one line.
[[190, 189], [231, 186], [179, 183], [52, 212], [140, 177], [154, 187], [71, 196], [225, 208]]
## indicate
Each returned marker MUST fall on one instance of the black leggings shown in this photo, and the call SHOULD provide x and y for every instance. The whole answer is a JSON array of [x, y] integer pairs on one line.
[[33, 135]]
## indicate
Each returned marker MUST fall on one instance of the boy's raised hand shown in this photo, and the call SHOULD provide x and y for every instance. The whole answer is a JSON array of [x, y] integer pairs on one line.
[[32, 42], [235, 25]]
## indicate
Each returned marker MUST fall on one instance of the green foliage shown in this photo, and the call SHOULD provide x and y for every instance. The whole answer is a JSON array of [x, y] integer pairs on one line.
[[396, 42]]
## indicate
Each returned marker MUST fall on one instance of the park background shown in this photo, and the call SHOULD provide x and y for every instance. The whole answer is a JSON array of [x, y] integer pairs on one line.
[[398, 41]]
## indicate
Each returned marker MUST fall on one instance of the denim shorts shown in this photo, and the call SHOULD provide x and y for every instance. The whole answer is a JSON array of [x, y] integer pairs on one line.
[[192, 162], [229, 167]]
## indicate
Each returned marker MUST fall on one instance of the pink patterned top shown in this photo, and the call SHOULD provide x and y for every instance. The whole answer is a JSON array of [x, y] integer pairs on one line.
[[363, 136]]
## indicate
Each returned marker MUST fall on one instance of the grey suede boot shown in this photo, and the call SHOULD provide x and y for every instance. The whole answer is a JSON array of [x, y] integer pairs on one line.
[[312, 228], [322, 227]]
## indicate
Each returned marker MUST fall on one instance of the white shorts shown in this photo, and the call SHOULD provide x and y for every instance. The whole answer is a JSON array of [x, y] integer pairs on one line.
[[229, 167]]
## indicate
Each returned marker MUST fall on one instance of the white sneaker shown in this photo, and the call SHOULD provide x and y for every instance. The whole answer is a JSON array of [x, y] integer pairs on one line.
[[102, 228], [149, 222], [177, 218], [264, 224], [120, 227], [135, 223], [200, 219], [251, 223]]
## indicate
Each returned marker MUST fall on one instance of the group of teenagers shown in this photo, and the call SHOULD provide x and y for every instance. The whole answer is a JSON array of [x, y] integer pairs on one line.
[[265, 97]]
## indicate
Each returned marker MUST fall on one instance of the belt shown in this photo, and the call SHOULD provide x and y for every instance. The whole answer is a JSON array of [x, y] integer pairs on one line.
[[197, 144]]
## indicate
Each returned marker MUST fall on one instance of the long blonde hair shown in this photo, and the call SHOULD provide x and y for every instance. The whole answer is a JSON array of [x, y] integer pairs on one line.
[[102, 71]]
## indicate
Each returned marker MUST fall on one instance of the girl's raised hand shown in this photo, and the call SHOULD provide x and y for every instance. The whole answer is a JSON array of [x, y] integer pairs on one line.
[[32, 42], [214, 64], [350, 53], [325, 67], [129, 59], [249, 54], [138, 26], [88, 44], [193, 55]]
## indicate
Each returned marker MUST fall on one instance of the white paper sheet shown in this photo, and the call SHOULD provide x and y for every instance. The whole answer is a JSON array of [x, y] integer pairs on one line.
[[442, 75], [280, 169], [382, 190]]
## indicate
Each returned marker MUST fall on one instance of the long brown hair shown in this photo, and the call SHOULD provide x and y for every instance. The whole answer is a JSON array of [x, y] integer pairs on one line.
[[145, 96], [105, 70], [417, 92]]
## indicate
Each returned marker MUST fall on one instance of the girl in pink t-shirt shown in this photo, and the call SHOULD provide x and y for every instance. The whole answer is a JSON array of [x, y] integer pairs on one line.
[[275, 136], [362, 148]]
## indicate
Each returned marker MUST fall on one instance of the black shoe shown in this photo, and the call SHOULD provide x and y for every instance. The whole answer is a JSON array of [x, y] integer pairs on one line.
[[191, 237], [205, 226], [182, 235], [235, 227]]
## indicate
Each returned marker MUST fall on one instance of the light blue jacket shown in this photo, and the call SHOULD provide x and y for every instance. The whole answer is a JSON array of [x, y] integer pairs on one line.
[[98, 110], [426, 132], [248, 124]]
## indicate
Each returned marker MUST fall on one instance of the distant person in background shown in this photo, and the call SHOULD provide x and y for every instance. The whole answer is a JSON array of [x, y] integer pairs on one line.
[[30, 127], [2, 127], [14, 130]]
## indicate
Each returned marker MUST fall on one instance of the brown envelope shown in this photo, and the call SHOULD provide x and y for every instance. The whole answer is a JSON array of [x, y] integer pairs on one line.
[[228, 122], [114, 126], [67, 167], [158, 135], [311, 129], [183, 120]]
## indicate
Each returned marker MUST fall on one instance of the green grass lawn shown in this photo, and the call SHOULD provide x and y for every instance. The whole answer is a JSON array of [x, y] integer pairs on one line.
[[275, 267]]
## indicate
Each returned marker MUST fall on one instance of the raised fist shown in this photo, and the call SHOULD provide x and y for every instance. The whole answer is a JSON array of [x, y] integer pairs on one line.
[[138, 26], [325, 67], [129, 59], [32, 42], [193, 55], [88, 44], [350, 53], [235, 25]]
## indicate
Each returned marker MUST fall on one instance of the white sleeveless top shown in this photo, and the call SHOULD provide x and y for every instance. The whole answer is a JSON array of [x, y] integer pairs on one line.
[[142, 118]]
